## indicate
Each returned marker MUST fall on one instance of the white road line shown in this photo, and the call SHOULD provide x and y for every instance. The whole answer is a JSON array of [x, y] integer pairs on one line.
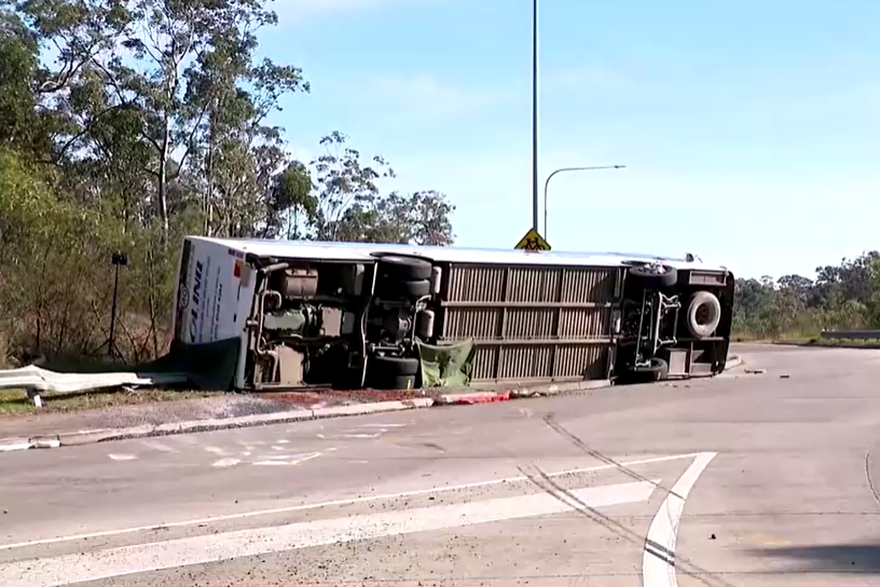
[[127, 560], [658, 560], [156, 445], [337, 502], [116, 457], [250, 443], [304, 458], [288, 459], [383, 426], [358, 435], [227, 462]]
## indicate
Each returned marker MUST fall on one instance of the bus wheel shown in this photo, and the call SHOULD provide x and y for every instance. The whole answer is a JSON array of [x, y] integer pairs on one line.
[[653, 277], [392, 372], [401, 268], [658, 370], [406, 290], [704, 314]]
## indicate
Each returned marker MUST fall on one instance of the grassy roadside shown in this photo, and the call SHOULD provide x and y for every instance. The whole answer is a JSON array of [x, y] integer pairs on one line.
[[15, 402], [868, 343], [810, 340], [792, 338]]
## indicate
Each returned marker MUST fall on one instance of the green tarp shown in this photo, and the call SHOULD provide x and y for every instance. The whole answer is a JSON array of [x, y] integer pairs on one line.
[[448, 365]]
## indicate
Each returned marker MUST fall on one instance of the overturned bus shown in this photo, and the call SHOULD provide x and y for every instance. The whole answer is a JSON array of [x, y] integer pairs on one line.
[[357, 315]]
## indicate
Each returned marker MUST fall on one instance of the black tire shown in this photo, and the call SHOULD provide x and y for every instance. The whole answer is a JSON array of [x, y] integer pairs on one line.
[[648, 277], [658, 370], [399, 382], [402, 290], [401, 268], [703, 314], [393, 366], [392, 372]]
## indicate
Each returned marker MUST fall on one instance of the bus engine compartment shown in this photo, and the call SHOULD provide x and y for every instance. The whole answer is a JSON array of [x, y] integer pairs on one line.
[[314, 324]]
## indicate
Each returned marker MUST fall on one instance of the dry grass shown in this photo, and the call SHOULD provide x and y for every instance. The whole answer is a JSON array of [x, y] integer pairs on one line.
[[868, 343], [15, 402]]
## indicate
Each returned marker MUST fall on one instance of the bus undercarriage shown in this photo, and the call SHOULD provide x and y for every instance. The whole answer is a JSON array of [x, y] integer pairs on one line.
[[343, 323]]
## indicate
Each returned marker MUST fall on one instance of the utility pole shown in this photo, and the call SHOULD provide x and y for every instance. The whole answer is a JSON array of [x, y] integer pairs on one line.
[[535, 115]]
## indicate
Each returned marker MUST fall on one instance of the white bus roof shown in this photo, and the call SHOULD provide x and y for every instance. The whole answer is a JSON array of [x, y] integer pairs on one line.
[[363, 252]]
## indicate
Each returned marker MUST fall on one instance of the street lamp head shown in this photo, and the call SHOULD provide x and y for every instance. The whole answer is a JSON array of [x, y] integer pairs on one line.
[[563, 169]]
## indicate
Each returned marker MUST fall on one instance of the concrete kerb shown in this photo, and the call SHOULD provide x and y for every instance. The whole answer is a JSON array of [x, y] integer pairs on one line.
[[453, 397], [11, 444], [105, 435]]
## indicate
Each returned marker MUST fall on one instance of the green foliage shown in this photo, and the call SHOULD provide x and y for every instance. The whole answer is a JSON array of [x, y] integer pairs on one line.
[[128, 124], [845, 296], [350, 206]]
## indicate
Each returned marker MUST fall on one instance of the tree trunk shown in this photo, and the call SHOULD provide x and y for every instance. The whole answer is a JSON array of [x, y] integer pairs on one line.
[[163, 177], [209, 171], [151, 301]]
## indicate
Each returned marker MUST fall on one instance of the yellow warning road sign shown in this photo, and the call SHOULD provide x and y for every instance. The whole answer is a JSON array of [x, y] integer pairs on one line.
[[533, 241]]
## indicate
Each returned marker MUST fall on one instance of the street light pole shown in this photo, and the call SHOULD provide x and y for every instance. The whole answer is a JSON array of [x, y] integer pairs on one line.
[[535, 114], [563, 169]]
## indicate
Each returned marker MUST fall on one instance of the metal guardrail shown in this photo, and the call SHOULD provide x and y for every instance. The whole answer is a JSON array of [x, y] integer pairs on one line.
[[850, 334], [36, 381]]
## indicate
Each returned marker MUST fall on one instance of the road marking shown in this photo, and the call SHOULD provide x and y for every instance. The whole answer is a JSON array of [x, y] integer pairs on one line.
[[251, 443], [116, 457], [769, 540], [156, 445], [217, 451], [658, 559], [337, 502], [227, 462], [383, 426], [142, 558], [288, 460], [324, 437]]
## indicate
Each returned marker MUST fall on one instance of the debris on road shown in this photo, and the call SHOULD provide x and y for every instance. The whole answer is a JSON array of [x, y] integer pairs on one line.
[[479, 397], [36, 381], [43, 380], [756, 371]]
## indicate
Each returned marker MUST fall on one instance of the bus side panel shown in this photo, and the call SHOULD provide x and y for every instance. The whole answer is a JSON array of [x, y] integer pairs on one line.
[[532, 322], [208, 293]]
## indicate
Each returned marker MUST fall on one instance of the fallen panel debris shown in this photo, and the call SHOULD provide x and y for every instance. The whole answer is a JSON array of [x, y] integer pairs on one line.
[[36, 379]]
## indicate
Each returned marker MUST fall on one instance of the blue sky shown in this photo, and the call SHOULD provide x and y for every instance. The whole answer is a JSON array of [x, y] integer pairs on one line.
[[750, 130]]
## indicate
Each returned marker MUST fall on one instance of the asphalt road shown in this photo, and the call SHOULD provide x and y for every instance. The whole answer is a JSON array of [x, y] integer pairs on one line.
[[746, 479]]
